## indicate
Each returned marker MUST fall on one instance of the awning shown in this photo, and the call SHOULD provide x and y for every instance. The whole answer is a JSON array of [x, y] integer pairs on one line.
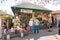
[[58, 11], [4, 14]]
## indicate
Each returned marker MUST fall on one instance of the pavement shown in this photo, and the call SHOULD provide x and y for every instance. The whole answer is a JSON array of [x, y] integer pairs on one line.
[[42, 35]]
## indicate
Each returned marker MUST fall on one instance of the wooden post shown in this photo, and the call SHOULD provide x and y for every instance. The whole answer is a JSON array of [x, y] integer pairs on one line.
[[7, 23], [33, 15], [0, 27]]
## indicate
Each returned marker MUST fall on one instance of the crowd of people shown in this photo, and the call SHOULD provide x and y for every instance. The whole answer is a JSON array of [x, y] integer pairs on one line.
[[32, 25]]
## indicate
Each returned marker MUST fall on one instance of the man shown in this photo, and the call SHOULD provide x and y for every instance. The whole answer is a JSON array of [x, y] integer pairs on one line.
[[36, 25], [58, 36], [59, 27]]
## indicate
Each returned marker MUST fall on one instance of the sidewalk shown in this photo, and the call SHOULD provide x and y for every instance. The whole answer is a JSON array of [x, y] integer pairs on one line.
[[42, 35], [41, 38], [52, 37]]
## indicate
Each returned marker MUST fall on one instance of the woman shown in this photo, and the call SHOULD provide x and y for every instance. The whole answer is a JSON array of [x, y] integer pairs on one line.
[[30, 25]]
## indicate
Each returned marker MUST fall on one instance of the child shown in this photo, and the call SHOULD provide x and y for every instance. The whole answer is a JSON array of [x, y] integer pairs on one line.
[[5, 31], [21, 31], [12, 30]]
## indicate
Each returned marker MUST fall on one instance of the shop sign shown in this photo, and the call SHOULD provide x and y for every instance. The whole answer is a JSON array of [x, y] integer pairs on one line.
[[26, 11]]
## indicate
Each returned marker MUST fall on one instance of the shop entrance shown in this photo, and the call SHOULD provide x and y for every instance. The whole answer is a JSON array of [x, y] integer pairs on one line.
[[24, 18]]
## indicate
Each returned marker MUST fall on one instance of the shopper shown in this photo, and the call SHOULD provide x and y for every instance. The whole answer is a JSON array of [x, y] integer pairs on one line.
[[26, 24], [30, 25], [36, 25], [5, 30], [59, 27]]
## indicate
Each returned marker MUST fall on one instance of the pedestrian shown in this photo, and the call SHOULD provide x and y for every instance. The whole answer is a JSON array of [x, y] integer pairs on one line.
[[5, 31], [59, 27], [30, 25], [36, 25], [21, 32]]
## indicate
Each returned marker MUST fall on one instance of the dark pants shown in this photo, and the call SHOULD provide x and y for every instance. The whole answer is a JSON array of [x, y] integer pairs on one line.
[[30, 29], [36, 29], [59, 32]]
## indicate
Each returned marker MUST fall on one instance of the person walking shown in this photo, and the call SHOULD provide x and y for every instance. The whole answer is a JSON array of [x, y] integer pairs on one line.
[[36, 25], [59, 28], [30, 25], [58, 36]]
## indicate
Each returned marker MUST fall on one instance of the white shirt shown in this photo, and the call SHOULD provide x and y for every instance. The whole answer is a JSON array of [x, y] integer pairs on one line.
[[18, 28], [12, 29], [30, 23]]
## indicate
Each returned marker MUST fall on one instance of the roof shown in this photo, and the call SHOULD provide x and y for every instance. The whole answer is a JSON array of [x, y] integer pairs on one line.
[[4, 13], [30, 5], [58, 11]]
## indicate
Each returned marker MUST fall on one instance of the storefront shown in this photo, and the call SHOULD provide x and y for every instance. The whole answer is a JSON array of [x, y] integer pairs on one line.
[[55, 16], [3, 17], [26, 11]]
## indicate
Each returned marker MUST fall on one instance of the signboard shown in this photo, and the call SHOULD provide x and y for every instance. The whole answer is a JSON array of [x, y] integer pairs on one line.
[[26, 11]]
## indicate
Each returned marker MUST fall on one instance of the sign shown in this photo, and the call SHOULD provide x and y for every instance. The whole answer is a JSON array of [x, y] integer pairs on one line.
[[26, 11]]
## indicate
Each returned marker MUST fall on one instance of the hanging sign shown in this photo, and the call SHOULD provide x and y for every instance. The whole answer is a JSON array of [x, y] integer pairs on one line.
[[26, 11]]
